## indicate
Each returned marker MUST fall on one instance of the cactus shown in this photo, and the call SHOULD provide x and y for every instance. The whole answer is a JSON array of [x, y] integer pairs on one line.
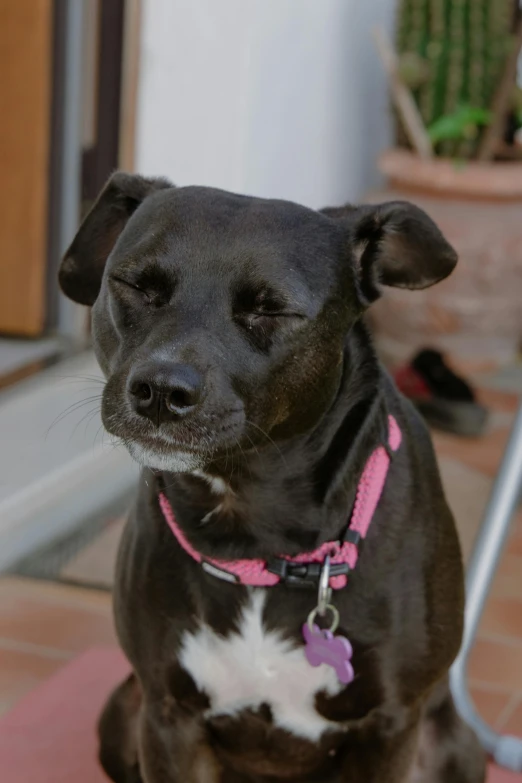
[[452, 54]]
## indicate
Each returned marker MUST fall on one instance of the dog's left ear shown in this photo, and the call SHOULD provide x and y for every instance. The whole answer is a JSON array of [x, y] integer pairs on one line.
[[81, 270], [395, 244]]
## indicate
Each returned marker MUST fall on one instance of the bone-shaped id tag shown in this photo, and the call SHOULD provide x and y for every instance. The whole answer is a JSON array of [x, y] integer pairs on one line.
[[324, 647], [321, 645]]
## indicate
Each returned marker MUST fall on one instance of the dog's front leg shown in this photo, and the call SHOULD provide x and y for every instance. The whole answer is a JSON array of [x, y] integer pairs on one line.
[[175, 750], [381, 755]]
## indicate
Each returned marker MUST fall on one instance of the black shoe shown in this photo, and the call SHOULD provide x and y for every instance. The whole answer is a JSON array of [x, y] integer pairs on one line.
[[446, 401]]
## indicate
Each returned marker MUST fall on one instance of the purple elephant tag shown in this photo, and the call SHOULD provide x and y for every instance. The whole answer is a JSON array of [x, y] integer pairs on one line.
[[324, 647]]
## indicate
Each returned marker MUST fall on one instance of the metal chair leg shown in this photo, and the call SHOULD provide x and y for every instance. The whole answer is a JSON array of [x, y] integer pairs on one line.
[[507, 751]]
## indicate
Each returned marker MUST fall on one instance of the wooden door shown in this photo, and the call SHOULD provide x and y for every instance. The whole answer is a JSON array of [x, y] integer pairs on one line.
[[26, 30]]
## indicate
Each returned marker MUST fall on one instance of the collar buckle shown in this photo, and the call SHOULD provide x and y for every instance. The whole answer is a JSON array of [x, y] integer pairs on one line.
[[303, 575]]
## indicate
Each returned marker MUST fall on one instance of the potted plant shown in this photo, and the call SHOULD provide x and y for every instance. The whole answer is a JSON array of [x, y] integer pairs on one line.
[[458, 154]]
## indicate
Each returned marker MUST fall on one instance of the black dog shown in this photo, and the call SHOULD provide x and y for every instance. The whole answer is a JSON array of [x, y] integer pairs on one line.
[[240, 376]]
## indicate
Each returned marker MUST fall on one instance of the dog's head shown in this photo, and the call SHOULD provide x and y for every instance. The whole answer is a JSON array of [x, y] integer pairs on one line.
[[220, 320]]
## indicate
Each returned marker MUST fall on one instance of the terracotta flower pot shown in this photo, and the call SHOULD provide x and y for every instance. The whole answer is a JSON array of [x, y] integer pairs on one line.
[[476, 313]]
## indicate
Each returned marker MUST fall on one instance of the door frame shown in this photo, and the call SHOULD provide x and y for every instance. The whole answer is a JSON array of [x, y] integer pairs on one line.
[[77, 174]]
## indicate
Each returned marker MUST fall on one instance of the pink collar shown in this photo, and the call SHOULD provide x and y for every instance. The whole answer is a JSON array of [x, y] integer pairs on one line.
[[306, 568]]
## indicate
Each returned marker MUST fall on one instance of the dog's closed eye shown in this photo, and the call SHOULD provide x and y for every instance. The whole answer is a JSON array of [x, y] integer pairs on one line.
[[127, 283], [252, 298], [147, 288], [262, 313], [263, 303]]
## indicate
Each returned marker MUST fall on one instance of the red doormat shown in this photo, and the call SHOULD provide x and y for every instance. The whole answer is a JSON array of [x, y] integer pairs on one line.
[[50, 736], [497, 775]]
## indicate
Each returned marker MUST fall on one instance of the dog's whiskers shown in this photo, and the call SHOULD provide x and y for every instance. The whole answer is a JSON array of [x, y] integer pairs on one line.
[[71, 409], [81, 378], [88, 417]]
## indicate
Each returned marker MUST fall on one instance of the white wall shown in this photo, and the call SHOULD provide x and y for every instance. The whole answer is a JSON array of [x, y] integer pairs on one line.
[[281, 98]]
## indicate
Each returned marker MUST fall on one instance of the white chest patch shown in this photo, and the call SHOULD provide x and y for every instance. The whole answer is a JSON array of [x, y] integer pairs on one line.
[[254, 666]]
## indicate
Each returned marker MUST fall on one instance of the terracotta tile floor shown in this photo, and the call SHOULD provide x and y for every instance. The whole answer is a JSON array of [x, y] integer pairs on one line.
[[495, 666], [42, 625]]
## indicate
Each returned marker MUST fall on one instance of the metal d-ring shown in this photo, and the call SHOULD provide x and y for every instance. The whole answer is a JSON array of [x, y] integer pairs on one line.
[[325, 591], [335, 618]]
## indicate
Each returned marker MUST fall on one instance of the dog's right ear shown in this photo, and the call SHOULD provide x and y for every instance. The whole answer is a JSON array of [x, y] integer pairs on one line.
[[394, 244], [81, 270]]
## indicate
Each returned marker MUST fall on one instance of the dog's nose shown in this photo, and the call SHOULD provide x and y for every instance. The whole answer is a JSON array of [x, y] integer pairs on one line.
[[164, 392]]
